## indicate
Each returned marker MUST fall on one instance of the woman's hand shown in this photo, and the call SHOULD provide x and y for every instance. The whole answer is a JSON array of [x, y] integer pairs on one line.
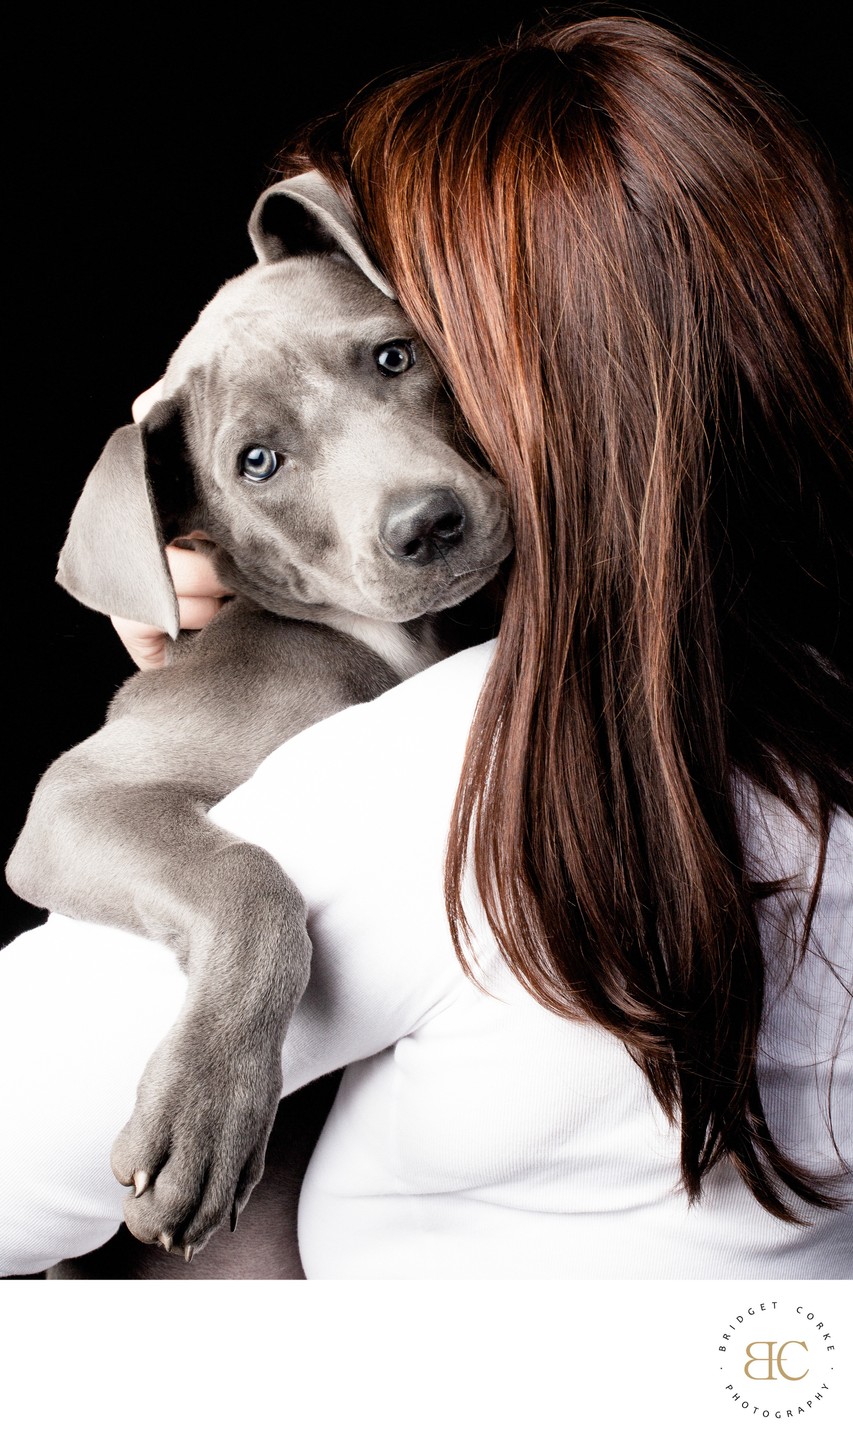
[[200, 596], [200, 593]]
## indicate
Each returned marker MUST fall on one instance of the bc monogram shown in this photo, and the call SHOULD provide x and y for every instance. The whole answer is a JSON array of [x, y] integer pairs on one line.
[[771, 1360]]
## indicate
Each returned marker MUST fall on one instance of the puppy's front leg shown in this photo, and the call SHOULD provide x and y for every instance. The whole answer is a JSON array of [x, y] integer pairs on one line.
[[194, 1146], [118, 833]]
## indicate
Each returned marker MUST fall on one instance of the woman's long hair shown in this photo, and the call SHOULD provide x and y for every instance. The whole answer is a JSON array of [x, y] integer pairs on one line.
[[635, 274]]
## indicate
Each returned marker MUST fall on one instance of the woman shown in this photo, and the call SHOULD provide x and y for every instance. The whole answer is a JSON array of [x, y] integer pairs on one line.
[[628, 1052]]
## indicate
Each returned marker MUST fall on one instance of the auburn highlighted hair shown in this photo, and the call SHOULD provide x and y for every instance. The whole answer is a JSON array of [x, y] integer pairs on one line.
[[634, 270]]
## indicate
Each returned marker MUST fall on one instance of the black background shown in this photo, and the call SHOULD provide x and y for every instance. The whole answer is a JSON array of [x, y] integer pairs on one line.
[[136, 143]]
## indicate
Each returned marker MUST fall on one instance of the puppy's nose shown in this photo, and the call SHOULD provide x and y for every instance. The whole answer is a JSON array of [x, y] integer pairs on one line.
[[421, 529]]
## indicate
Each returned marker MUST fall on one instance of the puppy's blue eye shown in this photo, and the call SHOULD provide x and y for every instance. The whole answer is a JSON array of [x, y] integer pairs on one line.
[[259, 463], [395, 356]]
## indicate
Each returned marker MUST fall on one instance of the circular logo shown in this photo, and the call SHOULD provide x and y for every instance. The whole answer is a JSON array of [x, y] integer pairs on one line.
[[777, 1359]]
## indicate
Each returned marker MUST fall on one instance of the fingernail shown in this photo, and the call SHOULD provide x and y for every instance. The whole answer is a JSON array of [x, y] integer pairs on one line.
[[140, 1183]]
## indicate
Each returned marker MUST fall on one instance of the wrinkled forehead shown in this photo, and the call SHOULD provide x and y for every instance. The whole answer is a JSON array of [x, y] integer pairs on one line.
[[275, 320]]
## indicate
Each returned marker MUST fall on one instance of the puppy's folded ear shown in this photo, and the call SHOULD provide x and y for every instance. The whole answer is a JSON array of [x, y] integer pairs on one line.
[[113, 558], [305, 215]]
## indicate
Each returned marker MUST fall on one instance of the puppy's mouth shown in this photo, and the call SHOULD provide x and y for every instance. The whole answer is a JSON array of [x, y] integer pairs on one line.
[[463, 584], [405, 607]]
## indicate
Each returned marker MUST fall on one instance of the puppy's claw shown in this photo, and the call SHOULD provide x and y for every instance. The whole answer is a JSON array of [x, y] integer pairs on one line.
[[140, 1183], [165, 1241], [188, 1253], [235, 1213]]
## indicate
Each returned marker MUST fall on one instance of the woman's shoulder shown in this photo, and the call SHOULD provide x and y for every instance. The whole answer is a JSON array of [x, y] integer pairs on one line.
[[424, 718], [387, 767], [444, 692]]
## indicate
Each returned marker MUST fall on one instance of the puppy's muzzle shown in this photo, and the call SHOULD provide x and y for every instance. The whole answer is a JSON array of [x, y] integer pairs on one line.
[[422, 529]]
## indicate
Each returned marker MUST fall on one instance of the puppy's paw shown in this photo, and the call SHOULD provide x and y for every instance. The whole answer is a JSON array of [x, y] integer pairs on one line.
[[194, 1147]]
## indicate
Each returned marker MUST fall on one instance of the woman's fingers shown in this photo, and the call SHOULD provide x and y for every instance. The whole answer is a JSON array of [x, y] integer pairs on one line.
[[196, 612], [145, 401], [200, 596], [193, 576], [147, 646]]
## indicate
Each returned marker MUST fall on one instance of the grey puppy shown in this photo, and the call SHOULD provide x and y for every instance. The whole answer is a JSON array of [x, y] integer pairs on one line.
[[304, 432]]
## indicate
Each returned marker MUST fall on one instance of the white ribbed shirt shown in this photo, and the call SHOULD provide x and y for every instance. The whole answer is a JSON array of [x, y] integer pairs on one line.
[[475, 1134]]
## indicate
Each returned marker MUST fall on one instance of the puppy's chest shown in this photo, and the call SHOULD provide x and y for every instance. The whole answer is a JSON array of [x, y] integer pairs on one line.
[[405, 648]]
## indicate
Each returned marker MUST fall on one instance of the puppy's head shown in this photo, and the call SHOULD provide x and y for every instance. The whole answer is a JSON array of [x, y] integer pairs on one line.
[[304, 429]]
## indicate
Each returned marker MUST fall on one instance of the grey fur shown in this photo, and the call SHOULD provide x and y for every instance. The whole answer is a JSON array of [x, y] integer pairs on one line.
[[327, 615]]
